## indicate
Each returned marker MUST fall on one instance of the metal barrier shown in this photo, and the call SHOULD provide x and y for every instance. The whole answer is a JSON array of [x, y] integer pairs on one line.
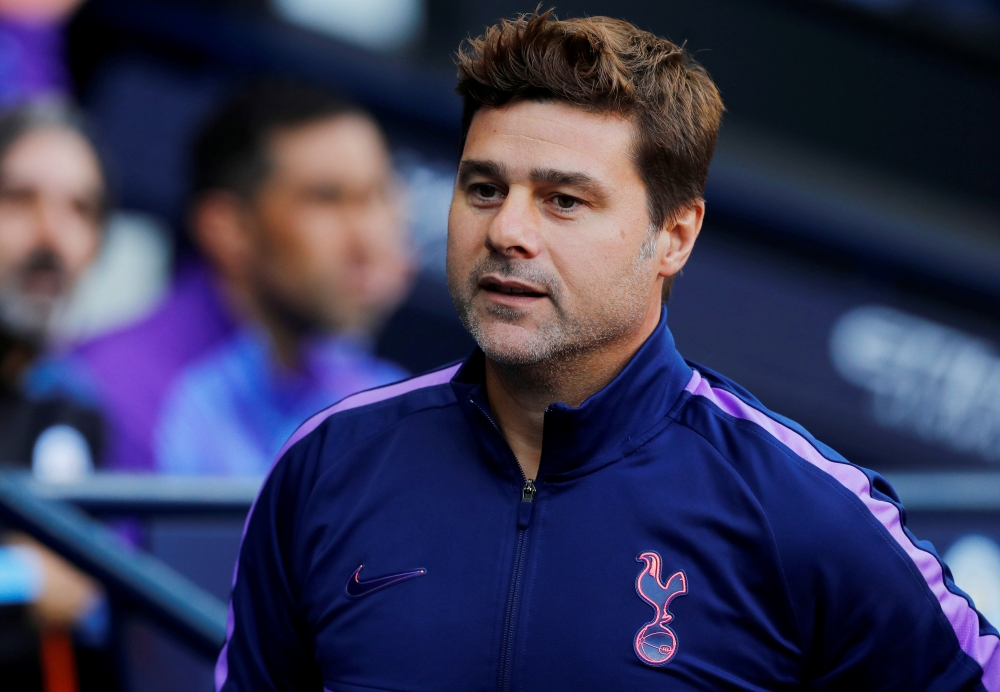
[[131, 577], [145, 495], [952, 491]]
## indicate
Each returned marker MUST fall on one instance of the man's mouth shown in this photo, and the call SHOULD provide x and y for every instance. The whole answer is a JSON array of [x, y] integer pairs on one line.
[[42, 276], [43, 283], [493, 284]]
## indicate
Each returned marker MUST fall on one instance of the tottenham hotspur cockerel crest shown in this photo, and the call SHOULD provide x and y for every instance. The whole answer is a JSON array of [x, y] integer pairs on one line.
[[656, 643]]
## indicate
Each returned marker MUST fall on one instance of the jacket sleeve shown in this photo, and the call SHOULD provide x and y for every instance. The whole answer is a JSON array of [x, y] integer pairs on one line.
[[268, 646], [877, 608]]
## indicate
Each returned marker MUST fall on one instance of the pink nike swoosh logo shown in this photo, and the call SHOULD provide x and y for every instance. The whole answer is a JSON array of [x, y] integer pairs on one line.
[[357, 588]]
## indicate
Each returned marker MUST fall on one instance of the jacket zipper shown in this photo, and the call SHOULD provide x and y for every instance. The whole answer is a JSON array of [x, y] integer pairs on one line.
[[512, 607], [514, 592]]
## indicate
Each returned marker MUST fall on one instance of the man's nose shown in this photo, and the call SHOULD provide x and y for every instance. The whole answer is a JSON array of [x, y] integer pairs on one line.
[[513, 230], [46, 223]]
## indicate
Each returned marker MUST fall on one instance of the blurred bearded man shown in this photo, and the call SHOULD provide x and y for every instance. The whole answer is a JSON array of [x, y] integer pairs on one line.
[[52, 209], [53, 203], [576, 507]]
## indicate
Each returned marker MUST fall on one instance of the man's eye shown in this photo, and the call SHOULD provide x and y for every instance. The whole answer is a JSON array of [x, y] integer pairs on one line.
[[565, 202], [486, 191], [325, 195], [86, 208], [16, 195]]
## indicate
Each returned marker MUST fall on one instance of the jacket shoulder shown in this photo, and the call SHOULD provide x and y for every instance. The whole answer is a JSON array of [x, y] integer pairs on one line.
[[779, 460], [366, 413], [736, 423], [317, 444], [838, 526]]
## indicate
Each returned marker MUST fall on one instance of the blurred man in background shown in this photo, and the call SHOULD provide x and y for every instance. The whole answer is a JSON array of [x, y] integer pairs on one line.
[[52, 210], [52, 207], [297, 209]]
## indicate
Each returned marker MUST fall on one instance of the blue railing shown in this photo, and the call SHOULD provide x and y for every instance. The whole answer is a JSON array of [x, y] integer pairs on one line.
[[133, 579]]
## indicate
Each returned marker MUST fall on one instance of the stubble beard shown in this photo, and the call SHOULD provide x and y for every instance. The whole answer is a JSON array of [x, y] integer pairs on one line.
[[28, 315], [556, 347]]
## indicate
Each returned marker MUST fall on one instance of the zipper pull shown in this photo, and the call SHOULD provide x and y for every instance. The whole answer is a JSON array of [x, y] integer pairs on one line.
[[526, 505]]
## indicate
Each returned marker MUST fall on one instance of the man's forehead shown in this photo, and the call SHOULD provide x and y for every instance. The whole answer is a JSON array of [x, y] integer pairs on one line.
[[531, 135], [52, 157], [348, 146]]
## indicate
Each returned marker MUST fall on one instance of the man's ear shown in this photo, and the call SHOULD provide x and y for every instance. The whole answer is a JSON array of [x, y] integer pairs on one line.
[[219, 226], [676, 239]]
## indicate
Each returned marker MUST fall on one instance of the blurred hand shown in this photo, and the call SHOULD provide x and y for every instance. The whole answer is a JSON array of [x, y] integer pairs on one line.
[[67, 593]]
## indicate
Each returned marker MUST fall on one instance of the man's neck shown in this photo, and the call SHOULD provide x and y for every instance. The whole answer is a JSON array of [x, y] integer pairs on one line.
[[519, 395], [285, 341]]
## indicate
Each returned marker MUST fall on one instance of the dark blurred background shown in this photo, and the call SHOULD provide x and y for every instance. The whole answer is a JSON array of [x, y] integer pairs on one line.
[[849, 270]]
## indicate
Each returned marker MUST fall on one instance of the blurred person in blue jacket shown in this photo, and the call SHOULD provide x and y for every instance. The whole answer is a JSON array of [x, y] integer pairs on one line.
[[53, 202], [297, 208]]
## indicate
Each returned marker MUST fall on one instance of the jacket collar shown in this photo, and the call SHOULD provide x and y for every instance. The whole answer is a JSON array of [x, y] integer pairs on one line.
[[609, 425]]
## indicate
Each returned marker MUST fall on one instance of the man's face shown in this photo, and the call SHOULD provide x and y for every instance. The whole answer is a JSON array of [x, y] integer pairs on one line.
[[329, 248], [549, 248], [50, 203]]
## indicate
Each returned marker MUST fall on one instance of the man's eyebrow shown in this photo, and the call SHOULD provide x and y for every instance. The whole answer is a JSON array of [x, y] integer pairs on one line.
[[581, 181], [488, 169]]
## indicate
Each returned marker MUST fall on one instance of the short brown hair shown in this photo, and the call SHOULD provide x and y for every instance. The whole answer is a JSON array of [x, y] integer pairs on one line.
[[605, 65]]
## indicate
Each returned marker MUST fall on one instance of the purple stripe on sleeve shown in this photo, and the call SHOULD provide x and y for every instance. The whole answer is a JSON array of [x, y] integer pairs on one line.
[[370, 396], [222, 665], [963, 619]]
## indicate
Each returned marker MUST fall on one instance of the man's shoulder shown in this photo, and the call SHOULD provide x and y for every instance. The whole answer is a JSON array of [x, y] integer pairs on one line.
[[838, 529], [815, 500], [368, 413], [780, 462], [206, 389], [745, 432]]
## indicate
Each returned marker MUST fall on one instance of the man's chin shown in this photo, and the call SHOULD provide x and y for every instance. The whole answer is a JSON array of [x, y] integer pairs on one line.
[[27, 319], [511, 344]]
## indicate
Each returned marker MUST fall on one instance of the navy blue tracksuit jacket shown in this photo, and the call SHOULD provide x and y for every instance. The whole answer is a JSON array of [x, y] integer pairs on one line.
[[679, 537]]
